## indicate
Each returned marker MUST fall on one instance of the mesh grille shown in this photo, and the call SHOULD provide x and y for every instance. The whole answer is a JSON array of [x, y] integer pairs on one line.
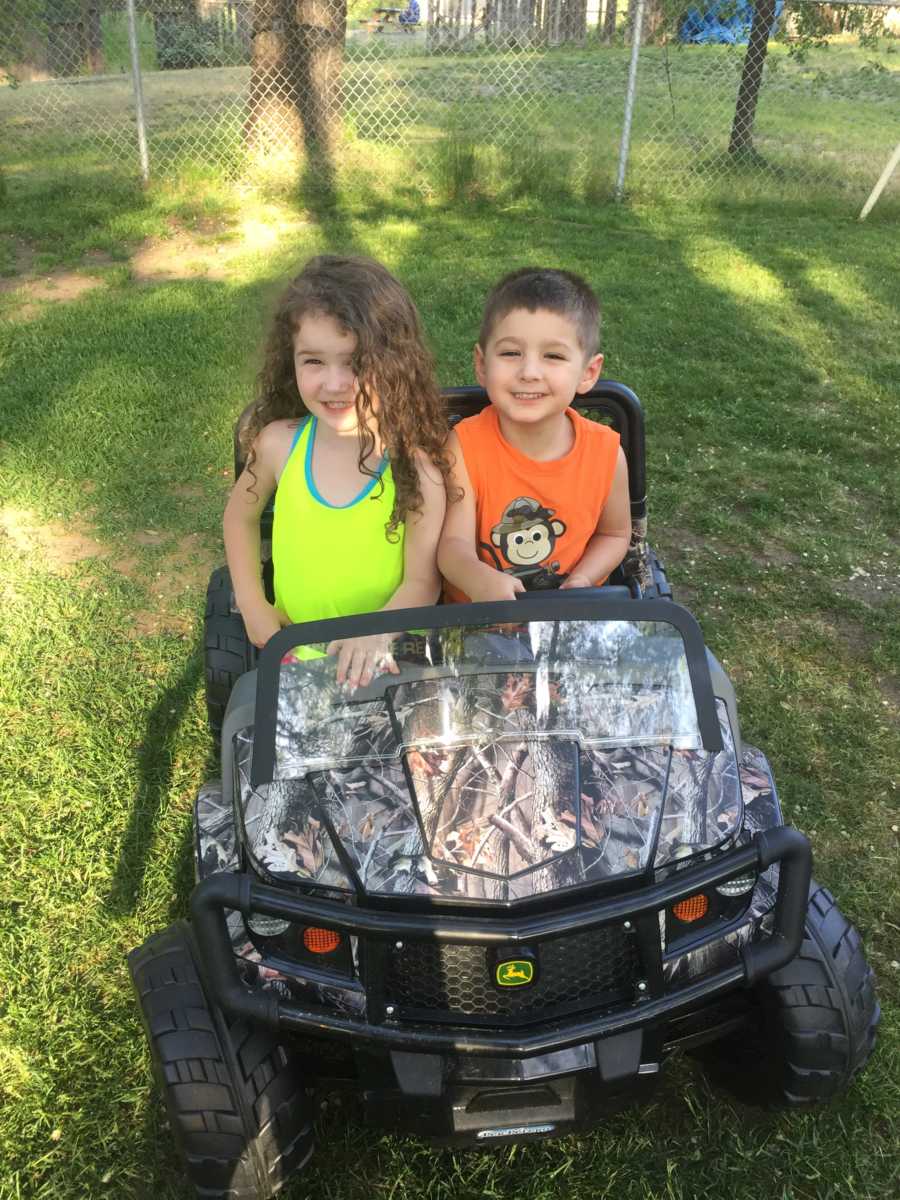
[[431, 981]]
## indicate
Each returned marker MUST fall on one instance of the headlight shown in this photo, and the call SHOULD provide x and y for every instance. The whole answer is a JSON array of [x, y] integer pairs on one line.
[[737, 887], [265, 926]]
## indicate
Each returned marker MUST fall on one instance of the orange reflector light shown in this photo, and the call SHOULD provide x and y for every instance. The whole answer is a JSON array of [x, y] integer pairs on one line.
[[321, 941], [691, 909]]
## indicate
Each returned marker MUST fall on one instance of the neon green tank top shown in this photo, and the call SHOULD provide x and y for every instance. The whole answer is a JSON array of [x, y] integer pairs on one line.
[[332, 560]]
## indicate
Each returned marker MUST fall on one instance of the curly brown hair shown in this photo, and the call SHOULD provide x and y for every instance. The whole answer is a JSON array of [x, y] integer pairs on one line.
[[391, 362]]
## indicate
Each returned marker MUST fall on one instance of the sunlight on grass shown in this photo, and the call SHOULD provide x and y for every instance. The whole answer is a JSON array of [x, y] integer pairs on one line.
[[842, 286], [721, 264]]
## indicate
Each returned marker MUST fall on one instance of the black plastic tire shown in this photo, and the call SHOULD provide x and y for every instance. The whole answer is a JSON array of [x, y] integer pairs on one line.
[[228, 650], [820, 1011], [818, 1017], [239, 1113], [661, 587]]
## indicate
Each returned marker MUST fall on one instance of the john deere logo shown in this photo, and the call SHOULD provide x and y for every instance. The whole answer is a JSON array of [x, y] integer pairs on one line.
[[515, 973]]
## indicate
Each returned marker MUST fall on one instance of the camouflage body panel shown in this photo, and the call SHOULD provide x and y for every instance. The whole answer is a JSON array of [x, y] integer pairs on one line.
[[637, 563], [216, 851], [761, 811], [512, 816], [214, 832], [616, 786]]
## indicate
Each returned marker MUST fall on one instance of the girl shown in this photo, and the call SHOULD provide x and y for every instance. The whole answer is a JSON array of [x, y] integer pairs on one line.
[[350, 427]]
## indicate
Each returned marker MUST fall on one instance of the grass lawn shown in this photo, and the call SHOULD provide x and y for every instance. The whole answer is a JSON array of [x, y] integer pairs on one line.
[[764, 344]]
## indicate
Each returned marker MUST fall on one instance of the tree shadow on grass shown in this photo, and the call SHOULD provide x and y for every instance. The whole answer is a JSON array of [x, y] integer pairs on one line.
[[319, 194], [155, 761]]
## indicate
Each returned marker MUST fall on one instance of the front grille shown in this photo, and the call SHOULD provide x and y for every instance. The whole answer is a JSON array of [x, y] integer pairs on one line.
[[433, 981]]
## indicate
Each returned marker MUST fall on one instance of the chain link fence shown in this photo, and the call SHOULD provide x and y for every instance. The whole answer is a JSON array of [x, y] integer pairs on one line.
[[504, 97]]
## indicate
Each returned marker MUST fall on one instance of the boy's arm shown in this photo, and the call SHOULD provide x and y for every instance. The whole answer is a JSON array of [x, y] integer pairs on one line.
[[608, 544], [240, 525], [457, 555]]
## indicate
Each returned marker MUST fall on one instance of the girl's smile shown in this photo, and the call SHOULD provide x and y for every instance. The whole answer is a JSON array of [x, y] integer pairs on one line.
[[323, 366]]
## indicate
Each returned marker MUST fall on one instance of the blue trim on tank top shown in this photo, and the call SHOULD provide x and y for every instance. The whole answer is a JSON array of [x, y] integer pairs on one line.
[[303, 424], [310, 482]]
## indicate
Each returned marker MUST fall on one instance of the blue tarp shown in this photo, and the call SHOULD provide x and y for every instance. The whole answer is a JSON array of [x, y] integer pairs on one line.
[[724, 21]]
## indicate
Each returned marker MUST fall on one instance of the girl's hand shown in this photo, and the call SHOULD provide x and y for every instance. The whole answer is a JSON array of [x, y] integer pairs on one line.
[[263, 621], [495, 585], [361, 659]]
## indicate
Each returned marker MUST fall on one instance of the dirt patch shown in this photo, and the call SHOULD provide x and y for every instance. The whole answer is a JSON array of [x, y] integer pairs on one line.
[[183, 571], [61, 284], [184, 256], [127, 566], [150, 537], [58, 546], [188, 565], [152, 624], [188, 491], [872, 585], [180, 573], [58, 286]]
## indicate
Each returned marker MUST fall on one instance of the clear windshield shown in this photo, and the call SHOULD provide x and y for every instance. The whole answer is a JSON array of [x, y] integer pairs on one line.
[[603, 684], [490, 763]]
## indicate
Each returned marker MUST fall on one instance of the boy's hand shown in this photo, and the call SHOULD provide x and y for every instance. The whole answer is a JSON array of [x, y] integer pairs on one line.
[[576, 581], [263, 621], [495, 585], [361, 659]]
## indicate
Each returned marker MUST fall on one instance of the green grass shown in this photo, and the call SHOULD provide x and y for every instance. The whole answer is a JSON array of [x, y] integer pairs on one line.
[[763, 343]]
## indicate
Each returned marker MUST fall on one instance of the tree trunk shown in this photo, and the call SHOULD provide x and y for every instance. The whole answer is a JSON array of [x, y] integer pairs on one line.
[[298, 52], [654, 20], [741, 141], [74, 40], [609, 21]]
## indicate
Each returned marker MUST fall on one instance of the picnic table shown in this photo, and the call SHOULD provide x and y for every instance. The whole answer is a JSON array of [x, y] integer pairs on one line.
[[401, 20]]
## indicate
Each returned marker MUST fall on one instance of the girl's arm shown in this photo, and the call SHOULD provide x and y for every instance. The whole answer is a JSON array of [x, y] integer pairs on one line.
[[359, 658], [608, 544], [457, 554], [249, 496], [421, 584]]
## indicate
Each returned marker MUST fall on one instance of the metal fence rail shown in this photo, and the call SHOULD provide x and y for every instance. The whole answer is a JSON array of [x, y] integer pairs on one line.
[[500, 96]]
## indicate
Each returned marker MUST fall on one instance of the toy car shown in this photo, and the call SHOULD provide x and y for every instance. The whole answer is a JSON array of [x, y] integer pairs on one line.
[[491, 892]]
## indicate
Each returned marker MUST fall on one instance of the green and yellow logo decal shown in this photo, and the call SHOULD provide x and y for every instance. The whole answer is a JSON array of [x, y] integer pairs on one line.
[[515, 972]]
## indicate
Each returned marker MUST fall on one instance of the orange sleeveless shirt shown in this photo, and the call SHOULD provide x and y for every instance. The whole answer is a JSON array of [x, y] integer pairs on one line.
[[534, 519]]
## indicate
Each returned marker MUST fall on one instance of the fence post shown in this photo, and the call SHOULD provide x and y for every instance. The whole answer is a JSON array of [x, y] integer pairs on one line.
[[625, 143], [137, 85], [889, 168]]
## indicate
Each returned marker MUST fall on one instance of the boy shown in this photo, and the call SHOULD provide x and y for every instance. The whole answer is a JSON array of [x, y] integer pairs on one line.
[[545, 498]]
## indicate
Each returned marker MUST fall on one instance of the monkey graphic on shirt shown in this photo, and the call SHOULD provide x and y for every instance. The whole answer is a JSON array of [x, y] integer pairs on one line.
[[525, 536]]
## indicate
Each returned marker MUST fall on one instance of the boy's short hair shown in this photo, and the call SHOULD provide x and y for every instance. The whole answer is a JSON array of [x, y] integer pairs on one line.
[[560, 292]]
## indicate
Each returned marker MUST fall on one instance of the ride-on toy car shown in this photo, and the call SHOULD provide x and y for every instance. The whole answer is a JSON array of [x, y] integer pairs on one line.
[[491, 892]]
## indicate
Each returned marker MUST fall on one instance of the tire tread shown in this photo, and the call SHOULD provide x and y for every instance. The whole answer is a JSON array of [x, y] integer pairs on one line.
[[822, 1006], [242, 1121]]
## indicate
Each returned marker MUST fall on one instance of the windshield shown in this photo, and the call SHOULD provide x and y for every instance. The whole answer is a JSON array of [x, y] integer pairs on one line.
[[617, 683], [492, 760]]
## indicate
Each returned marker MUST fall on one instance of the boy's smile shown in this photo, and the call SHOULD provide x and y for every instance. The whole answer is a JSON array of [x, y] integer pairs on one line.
[[533, 366]]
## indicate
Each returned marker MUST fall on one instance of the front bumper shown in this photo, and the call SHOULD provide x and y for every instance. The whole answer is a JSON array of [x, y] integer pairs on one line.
[[652, 1005]]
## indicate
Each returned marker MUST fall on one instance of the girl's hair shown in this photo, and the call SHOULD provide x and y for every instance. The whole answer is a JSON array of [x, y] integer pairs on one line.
[[391, 362]]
